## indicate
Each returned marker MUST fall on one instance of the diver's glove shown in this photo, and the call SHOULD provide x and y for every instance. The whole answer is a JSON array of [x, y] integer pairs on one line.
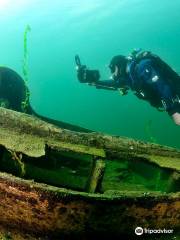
[[85, 75]]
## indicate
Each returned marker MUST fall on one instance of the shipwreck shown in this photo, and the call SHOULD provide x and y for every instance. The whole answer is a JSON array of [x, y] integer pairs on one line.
[[56, 182]]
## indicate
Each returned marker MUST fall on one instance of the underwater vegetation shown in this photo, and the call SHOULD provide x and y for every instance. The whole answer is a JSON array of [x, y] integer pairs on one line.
[[25, 71]]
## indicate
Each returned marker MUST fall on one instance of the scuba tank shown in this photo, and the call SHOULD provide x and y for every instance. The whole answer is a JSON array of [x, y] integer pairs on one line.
[[168, 74], [170, 77]]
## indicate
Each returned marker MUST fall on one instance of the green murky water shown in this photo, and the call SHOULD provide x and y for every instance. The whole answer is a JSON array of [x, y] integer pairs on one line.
[[97, 30]]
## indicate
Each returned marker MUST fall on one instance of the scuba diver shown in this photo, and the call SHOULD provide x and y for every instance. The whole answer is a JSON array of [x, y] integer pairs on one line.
[[142, 72]]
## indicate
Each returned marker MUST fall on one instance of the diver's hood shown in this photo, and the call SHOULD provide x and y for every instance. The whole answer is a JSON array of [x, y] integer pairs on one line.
[[120, 61]]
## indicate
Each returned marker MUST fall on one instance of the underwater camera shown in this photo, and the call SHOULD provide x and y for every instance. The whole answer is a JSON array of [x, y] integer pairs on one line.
[[85, 75]]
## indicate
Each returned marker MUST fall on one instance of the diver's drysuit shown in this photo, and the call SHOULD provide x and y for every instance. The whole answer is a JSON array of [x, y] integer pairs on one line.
[[150, 79]]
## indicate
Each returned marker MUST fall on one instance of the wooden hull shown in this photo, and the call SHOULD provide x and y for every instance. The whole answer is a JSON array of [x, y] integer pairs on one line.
[[46, 210], [111, 184]]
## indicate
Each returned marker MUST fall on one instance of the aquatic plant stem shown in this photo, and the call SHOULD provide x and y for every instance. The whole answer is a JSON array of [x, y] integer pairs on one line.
[[25, 103]]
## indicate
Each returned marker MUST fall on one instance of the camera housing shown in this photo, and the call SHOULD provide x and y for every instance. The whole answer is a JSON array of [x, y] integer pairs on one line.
[[85, 75], [88, 76], [92, 76]]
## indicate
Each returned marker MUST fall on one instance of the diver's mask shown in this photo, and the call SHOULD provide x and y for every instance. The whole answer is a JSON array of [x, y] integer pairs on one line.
[[118, 69], [119, 78]]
